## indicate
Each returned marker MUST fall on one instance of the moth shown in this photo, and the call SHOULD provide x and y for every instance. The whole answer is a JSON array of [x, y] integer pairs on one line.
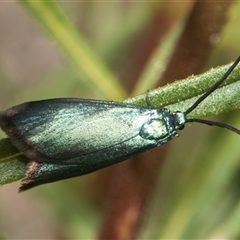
[[67, 137]]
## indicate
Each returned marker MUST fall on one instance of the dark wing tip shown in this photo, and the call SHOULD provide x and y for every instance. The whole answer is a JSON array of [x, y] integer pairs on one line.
[[8, 125]]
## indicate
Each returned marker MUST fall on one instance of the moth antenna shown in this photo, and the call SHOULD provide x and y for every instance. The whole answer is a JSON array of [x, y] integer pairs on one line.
[[206, 94], [214, 87], [213, 123]]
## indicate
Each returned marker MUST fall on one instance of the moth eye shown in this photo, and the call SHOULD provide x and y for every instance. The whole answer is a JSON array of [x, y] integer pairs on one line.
[[181, 127]]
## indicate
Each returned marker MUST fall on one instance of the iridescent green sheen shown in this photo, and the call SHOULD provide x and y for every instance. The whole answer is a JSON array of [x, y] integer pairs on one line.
[[70, 137]]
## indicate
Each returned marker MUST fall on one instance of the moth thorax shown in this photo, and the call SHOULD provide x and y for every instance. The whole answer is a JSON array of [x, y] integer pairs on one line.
[[154, 129]]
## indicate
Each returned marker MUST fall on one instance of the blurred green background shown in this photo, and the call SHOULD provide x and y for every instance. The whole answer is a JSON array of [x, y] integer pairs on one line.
[[196, 194]]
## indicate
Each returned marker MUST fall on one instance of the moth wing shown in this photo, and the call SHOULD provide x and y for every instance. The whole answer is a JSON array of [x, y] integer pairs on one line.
[[59, 129]]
